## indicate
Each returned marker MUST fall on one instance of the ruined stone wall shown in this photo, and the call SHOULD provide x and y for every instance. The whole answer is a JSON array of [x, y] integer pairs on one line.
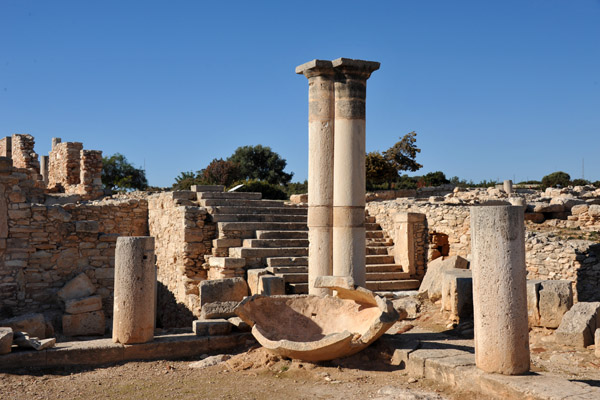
[[586, 216], [6, 147], [43, 247], [64, 165], [183, 236], [23, 154], [575, 260], [90, 173]]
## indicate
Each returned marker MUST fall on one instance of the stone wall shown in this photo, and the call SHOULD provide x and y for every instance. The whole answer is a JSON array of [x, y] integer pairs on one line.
[[586, 216], [183, 236], [23, 154], [6, 147], [43, 247], [547, 256]]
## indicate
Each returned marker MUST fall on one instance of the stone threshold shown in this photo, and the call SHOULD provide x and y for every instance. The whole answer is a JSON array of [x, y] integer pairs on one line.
[[105, 351], [451, 361]]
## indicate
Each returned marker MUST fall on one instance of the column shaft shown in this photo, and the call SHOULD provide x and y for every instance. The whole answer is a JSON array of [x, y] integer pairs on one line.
[[320, 167], [135, 290], [499, 289], [349, 168]]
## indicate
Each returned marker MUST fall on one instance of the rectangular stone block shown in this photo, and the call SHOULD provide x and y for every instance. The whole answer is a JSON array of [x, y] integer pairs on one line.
[[218, 310], [77, 288], [211, 327], [457, 293], [227, 262], [207, 188], [85, 324], [555, 299], [270, 285], [229, 289], [432, 282], [253, 278], [34, 324], [87, 304], [87, 226], [578, 325]]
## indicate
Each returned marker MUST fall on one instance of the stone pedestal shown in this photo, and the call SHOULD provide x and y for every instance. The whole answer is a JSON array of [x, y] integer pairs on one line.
[[135, 290], [349, 167], [499, 289], [404, 241], [320, 167]]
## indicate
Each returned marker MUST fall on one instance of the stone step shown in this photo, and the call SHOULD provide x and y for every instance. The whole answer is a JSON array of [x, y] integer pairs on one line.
[[384, 268], [380, 259], [294, 277], [230, 195], [285, 269], [245, 252], [380, 242], [256, 210], [287, 261], [377, 250], [375, 234], [240, 203], [275, 243], [387, 276], [407, 284], [296, 288], [372, 226], [227, 262], [258, 218], [282, 235], [255, 226]]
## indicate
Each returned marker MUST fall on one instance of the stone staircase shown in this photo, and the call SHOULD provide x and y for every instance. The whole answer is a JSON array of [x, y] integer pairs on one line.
[[256, 233]]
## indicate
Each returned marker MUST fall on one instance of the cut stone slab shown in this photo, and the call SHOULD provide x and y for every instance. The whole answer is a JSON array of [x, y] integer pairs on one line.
[[34, 324], [432, 282], [6, 340], [84, 324], [229, 289], [578, 325], [318, 328], [555, 299], [253, 278], [457, 293], [86, 304], [218, 310], [239, 324], [211, 327], [77, 288], [210, 361], [22, 339], [270, 285], [408, 306]]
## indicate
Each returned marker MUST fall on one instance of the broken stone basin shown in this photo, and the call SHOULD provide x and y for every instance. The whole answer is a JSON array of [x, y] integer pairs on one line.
[[314, 328]]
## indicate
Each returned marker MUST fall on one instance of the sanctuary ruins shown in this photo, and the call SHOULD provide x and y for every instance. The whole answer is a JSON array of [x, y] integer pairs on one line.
[[502, 269]]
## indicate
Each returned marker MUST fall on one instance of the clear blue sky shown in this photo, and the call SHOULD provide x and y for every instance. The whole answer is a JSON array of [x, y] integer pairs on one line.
[[494, 89]]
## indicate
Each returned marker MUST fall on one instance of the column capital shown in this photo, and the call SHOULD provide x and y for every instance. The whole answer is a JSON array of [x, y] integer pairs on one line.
[[358, 68], [315, 68]]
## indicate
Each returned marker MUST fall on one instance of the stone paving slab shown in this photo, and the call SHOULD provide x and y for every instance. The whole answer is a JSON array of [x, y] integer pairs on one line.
[[451, 361], [105, 351]]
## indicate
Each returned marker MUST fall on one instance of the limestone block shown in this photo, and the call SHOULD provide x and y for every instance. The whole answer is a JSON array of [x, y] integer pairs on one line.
[[578, 325], [567, 202], [579, 209], [84, 324], [457, 293], [87, 226], [407, 307], [34, 324], [594, 210], [211, 327], [218, 310], [253, 278], [270, 285], [239, 324], [229, 289], [533, 312], [555, 299], [84, 305], [299, 198], [432, 282], [77, 288], [548, 208], [6, 339]]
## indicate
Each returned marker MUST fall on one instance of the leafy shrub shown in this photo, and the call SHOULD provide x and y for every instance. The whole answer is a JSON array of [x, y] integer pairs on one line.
[[557, 178], [268, 190]]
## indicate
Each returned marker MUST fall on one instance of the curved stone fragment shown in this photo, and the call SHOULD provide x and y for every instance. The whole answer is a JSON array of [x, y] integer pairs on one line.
[[318, 328]]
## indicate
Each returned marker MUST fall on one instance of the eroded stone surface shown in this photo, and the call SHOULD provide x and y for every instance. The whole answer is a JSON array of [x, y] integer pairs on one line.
[[87, 304], [33, 323], [84, 324], [432, 283], [77, 288], [578, 325], [6, 339]]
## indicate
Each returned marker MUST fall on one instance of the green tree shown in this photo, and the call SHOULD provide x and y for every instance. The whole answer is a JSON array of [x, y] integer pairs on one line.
[[118, 174], [260, 163], [556, 178], [436, 178], [186, 179], [379, 170], [403, 154], [220, 172]]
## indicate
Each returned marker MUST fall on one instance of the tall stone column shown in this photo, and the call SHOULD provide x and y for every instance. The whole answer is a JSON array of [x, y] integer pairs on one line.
[[44, 168], [135, 290], [499, 289], [320, 167], [349, 167]]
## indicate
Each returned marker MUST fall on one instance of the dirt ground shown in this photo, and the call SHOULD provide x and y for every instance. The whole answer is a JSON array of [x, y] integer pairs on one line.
[[253, 373]]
